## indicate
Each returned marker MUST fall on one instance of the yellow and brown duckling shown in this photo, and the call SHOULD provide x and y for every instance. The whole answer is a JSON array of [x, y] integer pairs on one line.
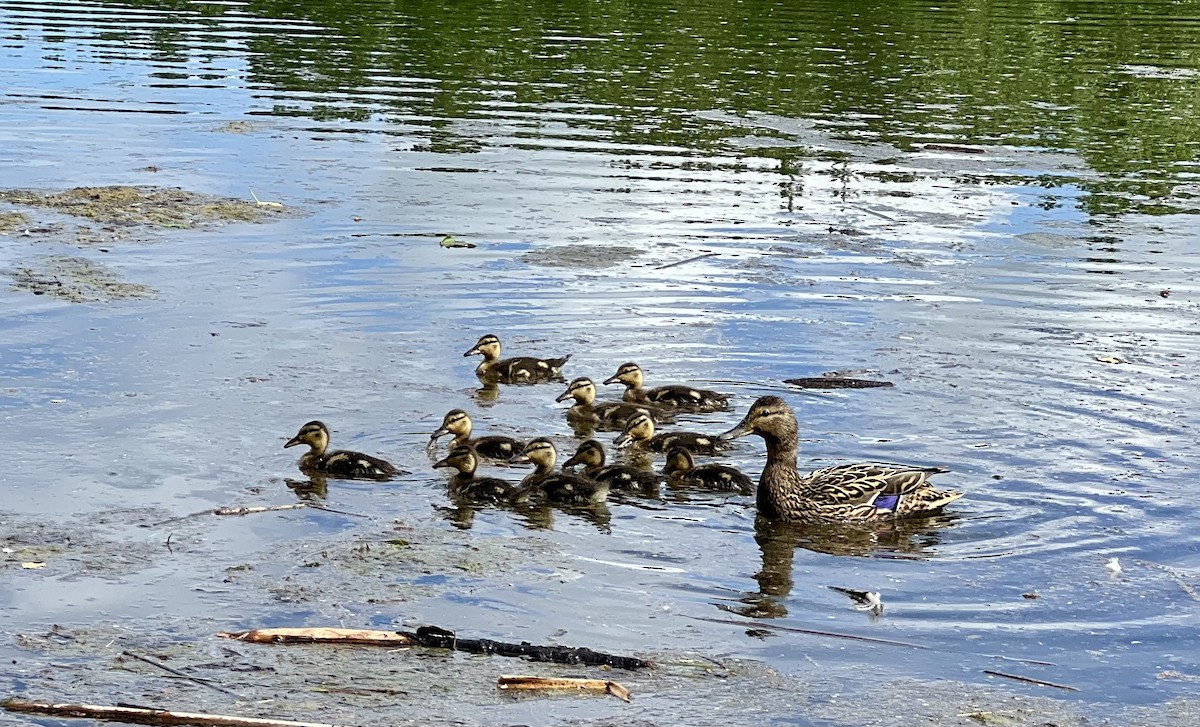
[[519, 370], [672, 396], [620, 477], [639, 434], [681, 470], [338, 463], [605, 414], [466, 485], [849, 493], [494, 446], [561, 487]]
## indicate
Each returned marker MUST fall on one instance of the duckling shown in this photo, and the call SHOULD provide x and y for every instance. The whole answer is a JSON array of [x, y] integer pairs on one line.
[[847, 493], [520, 370], [673, 396], [590, 454], [338, 463], [561, 487], [494, 446], [639, 431], [606, 414], [681, 469], [466, 485]]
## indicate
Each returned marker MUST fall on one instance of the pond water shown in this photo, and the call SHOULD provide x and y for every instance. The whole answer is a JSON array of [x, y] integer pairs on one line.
[[990, 205]]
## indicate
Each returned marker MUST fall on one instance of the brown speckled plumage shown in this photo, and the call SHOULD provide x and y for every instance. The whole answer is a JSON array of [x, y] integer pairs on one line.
[[621, 477], [561, 487], [466, 485], [852, 492]]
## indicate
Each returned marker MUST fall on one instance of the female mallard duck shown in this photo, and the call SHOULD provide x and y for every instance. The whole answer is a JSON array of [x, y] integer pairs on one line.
[[494, 446], [606, 414], [338, 463], [681, 470], [851, 492], [639, 432], [560, 487], [673, 396], [520, 370], [590, 454], [466, 485]]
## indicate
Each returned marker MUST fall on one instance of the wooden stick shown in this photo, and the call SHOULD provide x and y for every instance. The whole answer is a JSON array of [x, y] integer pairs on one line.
[[141, 715], [239, 511], [688, 260], [176, 672], [510, 681], [1029, 680], [319, 636]]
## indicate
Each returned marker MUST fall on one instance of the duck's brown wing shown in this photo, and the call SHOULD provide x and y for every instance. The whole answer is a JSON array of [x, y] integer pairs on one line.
[[896, 488]]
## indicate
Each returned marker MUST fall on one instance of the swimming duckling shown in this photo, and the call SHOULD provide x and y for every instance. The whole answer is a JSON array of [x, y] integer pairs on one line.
[[338, 463], [850, 492], [606, 414], [590, 454], [672, 396], [681, 469], [520, 370], [560, 487], [494, 446], [466, 485], [639, 432]]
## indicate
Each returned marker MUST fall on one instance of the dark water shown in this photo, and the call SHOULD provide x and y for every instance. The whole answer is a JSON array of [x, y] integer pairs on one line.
[[987, 204]]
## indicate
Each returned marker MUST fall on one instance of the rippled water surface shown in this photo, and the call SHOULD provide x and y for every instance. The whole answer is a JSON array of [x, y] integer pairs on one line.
[[990, 205]]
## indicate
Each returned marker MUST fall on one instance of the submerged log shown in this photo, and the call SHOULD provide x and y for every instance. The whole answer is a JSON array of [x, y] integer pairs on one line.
[[438, 638], [836, 382]]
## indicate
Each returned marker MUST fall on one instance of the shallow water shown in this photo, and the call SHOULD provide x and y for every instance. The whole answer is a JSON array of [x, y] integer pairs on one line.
[[994, 279]]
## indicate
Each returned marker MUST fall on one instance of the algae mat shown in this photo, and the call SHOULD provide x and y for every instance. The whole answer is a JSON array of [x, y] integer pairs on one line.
[[150, 206]]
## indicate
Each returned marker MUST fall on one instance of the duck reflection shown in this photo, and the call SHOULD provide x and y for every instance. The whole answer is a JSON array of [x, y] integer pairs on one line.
[[905, 538]]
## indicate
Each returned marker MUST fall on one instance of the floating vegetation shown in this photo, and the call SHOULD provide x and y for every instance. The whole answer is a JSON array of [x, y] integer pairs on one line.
[[151, 206], [75, 280]]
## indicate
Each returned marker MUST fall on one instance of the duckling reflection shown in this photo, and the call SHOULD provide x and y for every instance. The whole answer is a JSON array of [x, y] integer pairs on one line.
[[778, 541], [314, 489], [671, 396], [519, 370]]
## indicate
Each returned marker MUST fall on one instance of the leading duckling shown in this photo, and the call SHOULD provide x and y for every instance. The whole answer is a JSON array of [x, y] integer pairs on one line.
[[340, 462], [681, 470], [466, 485], [494, 446], [519, 370], [847, 493], [639, 433], [590, 454], [605, 414], [671, 396], [561, 487]]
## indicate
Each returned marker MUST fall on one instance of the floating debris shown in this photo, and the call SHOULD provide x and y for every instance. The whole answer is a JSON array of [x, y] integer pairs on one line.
[[452, 241], [836, 382], [1114, 566]]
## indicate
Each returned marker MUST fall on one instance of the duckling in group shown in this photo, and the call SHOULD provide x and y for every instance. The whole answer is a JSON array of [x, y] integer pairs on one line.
[[338, 463], [466, 485], [606, 414], [673, 396], [494, 446], [590, 454], [852, 492], [681, 469], [561, 487], [520, 370], [639, 433]]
